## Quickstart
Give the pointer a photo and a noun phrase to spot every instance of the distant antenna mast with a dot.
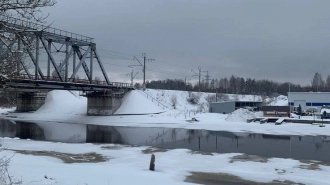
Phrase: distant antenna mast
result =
(199, 77)
(133, 76)
(144, 67)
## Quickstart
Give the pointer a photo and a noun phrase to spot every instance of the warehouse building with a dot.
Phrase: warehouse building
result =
(230, 106)
(308, 99)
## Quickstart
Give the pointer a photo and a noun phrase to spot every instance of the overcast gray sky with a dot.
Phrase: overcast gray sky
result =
(281, 40)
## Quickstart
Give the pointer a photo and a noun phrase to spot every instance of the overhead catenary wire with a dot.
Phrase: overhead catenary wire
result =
(109, 51)
(171, 73)
(171, 68)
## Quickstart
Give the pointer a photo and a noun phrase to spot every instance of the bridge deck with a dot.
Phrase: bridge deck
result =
(73, 84)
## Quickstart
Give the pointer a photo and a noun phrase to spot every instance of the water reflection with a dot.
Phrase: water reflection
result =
(297, 147)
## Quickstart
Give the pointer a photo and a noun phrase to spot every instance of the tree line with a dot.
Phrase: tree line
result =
(239, 85)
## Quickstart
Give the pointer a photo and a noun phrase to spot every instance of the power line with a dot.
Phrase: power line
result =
(171, 73)
(184, 67)
(120, 58)
(116, 65)
(109, 51)
(171, 68)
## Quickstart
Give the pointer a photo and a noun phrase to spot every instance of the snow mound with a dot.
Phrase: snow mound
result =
(279, 101)
(63, 102)
(134, 102)
(240, 115)
(6, 110)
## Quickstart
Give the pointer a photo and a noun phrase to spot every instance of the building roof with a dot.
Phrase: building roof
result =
(308, 92)
(239, 102)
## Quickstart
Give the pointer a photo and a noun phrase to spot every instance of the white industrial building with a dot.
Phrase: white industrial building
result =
(309, 99)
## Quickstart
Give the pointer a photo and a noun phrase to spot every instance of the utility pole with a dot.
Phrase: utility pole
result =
(185, 83)
(199, 77)
(133, 76)
(216, 94)
(207, 78)
(144, 68)
(145, 59)
(289, 97)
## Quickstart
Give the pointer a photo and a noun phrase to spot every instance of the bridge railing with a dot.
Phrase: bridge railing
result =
(75, 80)
(23, 24)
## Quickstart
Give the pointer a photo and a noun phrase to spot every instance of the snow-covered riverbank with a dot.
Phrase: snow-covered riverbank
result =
(43, 163)
(68, 107)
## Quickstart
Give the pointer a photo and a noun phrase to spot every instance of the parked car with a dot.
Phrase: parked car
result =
(310, 111)
(295, 110)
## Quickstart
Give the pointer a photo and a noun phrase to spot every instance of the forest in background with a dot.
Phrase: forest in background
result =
(239, 85)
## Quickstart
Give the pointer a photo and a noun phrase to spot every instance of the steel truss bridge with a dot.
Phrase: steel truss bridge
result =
(32, 38)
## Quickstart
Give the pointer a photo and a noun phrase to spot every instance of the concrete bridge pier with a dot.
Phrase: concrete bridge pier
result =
(103, 103)
(30, 101)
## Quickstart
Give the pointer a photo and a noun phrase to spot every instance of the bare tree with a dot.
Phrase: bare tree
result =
(5, 177)
(222, 97)
(210, 98)
(193, 98)
(11, 55)
(317, 82)
(174, 101)
(26, 10)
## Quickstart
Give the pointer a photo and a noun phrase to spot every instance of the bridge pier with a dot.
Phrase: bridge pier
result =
(30, 101)
(103, 103)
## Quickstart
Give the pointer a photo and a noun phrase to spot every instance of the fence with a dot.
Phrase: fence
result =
(152, 99)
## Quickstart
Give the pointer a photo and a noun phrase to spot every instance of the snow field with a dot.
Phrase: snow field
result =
(128, 165)
(182, 105)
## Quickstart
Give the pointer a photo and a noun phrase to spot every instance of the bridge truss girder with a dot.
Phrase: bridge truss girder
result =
(34, 40)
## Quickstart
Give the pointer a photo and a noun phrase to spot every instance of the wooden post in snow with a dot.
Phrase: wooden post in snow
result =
(152, 163)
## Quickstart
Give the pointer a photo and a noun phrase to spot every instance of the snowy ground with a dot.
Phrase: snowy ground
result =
(83, 164)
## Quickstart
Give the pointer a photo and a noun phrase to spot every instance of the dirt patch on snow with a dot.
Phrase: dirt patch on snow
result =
(68, 158)
(227, 179)
(312, 165)
(201, 153)
(248, 158)
(112, 147)
(153, 150)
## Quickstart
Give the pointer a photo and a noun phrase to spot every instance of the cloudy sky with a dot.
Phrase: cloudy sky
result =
(281, 40)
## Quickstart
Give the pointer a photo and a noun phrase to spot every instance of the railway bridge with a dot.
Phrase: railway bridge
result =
(38, 48)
